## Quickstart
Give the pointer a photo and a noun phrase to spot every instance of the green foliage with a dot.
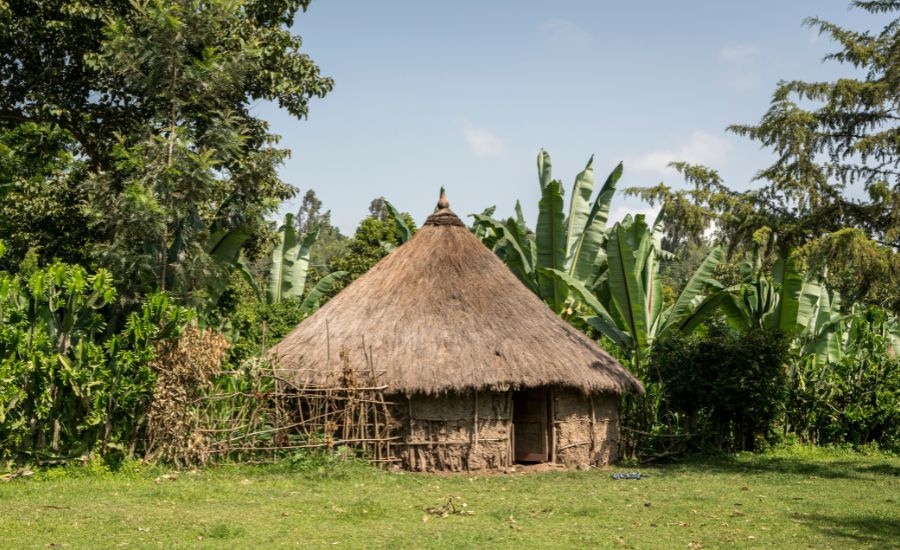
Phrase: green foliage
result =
(290, 262)
(374, 239)
(152, 100)
(255, 326)
(571, 244)
(853, 398)
(39, 203)
(67, 387)
(329, 245)
(404, 229)
(605, 279)
(731, 388)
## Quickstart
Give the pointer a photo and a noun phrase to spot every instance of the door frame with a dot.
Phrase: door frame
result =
(547, 426)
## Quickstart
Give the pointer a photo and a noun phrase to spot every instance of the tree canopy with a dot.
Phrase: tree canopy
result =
(834, 188)
(148, 107)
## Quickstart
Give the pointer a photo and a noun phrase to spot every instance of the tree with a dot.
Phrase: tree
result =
(826, 137)
(330, 244)
(378, 208)
(153, 99)
(40, 210)
(374, 239)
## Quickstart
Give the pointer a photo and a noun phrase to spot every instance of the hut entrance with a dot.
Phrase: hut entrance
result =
(530, 422)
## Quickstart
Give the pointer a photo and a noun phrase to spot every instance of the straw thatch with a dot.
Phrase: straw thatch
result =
(443, 314)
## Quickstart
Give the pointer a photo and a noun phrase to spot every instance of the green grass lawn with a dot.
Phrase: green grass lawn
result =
(799, 498)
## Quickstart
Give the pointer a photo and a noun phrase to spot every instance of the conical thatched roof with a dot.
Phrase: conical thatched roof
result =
(442, 313)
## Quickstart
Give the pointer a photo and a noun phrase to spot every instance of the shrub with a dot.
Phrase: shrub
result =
(67, 388)
(855, 400)
(731, 388)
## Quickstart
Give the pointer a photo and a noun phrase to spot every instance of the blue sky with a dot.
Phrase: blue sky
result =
(464, 94)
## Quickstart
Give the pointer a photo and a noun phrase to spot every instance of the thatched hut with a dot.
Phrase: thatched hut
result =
(482, 373)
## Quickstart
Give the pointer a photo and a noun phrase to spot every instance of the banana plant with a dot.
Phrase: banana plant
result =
(787, 300)
(607, 278)
(290, 262)
(290, 267)
(567, 243)
(226, 247)
(797, 303)
(404, 230)
(624, 302)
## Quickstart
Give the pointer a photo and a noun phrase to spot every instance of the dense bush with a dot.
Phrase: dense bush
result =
(731, 388)
(855, 400)
(67, 386)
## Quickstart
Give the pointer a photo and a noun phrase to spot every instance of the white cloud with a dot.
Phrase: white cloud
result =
(482, 142)
(700, 148)
(562, 32)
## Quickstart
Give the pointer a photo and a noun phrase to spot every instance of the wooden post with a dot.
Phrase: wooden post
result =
(552, 426)
(510, 430)
(409, 423)
(373, 407)
(473, 446)
(593, 430)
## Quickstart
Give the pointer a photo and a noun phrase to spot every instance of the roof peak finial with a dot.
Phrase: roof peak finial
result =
(443, 202)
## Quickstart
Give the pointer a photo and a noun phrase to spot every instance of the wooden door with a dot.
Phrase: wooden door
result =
(530, 421)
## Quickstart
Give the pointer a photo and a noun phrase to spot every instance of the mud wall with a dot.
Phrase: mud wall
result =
(455, 432)
(585, 428)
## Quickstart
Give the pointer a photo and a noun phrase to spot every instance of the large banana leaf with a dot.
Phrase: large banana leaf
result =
(579, 207)
(520, 218)
(551, 243)
(827, 342)
(732, 307)
(641, 237)
(697, 284)
(589, 247)
(225, 246)
(808, 300)
(785, 273)
(484, 233)
(290, 263)
(545, 172)
(601, 319)
(285, 248)
(298, 272)
(399, 222)
(707, 308)
(650, 276)
(245, 271)
(798, 297)
(625, 286)
(512, 239)
(317, 293)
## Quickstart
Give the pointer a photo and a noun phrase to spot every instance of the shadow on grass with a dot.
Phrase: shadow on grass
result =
(860, 530)
(884, 469)
(761, 464)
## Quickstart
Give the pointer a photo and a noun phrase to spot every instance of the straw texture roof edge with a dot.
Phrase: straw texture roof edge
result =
(442, 314)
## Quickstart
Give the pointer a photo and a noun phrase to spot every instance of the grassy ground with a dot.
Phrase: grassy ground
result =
(788, 499)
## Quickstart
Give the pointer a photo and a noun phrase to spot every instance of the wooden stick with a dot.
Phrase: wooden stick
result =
(593, 450)
(474, 447)
(552, 427)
